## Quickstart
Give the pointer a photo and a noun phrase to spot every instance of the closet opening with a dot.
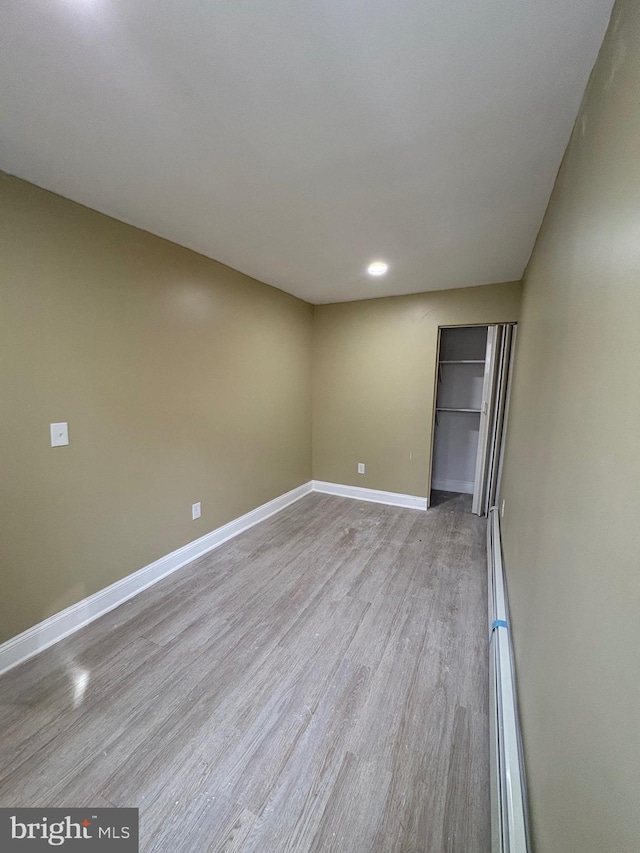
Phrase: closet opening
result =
(472, 395)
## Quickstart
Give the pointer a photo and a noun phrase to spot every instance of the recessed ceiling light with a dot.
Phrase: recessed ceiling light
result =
(377, 268)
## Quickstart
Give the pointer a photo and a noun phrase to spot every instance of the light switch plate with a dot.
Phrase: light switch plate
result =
(59, 435)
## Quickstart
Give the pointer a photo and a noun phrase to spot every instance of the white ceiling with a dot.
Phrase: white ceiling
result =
(298, 140)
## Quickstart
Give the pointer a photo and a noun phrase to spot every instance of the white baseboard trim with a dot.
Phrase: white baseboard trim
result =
(34, 640)
(453, 486)
(373, 495)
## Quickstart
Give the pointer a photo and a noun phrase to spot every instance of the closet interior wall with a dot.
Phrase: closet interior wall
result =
(461, 369)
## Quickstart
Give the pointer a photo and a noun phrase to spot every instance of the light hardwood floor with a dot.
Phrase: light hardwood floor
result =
(316, 684)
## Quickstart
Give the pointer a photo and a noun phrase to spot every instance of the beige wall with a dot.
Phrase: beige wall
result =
(374, 368)
(181, 380)
(572, 480)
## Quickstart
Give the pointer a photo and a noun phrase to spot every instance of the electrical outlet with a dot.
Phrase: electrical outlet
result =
(360, 467)
(502, 510)
(196, 511)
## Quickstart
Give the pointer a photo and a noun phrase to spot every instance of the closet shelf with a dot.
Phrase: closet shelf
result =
(450, 409)
(461, 361)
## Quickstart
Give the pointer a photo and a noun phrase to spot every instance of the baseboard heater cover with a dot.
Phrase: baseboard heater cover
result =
(509, 812)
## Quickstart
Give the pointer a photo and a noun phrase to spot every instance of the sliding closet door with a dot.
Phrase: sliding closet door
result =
(493, 418)
(486, 419)
(503, 388)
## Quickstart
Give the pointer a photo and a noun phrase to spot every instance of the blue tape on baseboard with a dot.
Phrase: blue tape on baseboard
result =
(499, 623)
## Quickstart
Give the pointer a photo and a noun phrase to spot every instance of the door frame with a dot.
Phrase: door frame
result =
(436, 377)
